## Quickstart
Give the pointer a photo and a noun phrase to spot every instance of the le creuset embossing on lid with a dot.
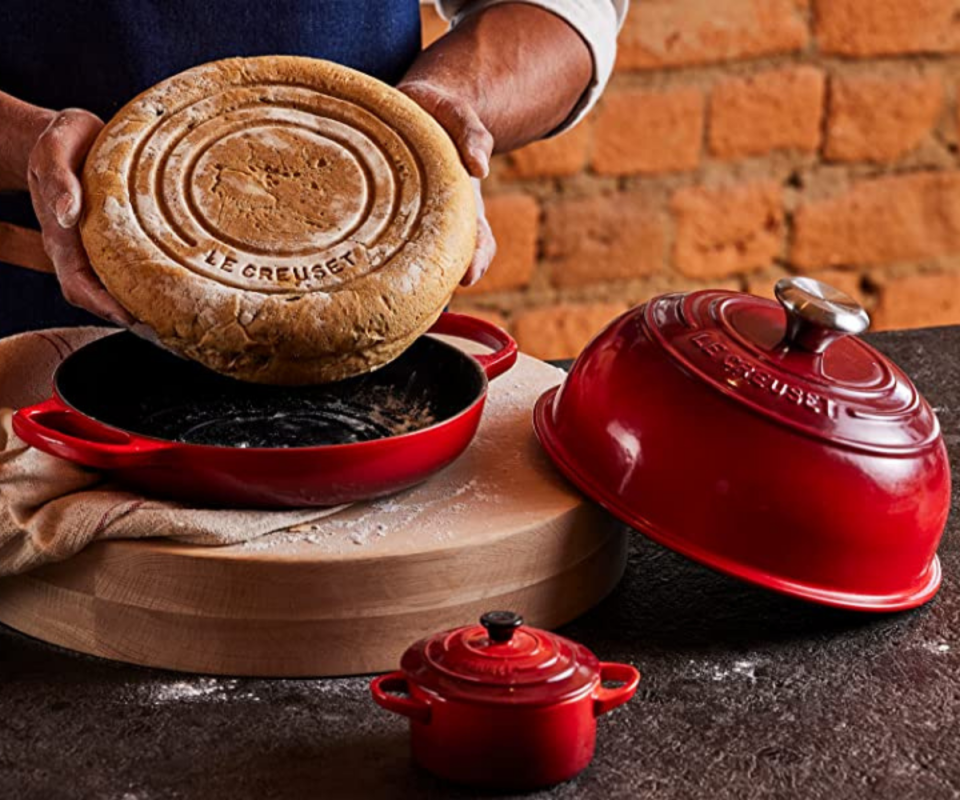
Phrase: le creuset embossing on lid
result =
(819, 379)
(503, 704)
(765, 440)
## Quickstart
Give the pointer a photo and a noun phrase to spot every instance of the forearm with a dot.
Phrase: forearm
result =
(20, 126)
(522, 68)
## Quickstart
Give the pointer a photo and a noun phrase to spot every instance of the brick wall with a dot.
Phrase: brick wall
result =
(739, 141)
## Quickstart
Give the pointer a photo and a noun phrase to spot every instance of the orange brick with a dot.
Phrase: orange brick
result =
(880, 27)
(919, 300)
(515, 219)
(671, 33)
(562, 331)
(844, 280)
(729, 230)
(872, 118)
(648, 132)
(881, 221)
(434, 26)
(776, 110)
(603, 238)
(559, 156)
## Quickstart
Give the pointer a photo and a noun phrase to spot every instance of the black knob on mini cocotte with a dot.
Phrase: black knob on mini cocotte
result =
(500, 625)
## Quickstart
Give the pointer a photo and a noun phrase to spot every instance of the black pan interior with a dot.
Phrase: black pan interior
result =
(128, 383)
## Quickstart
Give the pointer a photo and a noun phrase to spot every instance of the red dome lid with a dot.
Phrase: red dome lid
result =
(765, 440)
(501, 661)
(800, 369)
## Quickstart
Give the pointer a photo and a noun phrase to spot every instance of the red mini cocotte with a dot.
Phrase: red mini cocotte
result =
(501, 704)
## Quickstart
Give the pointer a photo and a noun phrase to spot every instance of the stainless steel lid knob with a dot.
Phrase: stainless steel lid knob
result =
(818, 314)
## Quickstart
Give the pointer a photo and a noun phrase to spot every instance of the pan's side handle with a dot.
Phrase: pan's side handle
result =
(56, 429)
(504, 353)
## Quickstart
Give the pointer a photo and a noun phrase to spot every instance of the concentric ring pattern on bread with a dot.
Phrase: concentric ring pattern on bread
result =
(279, 219)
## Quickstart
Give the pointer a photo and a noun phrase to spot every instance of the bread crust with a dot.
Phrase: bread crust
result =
(279, 219)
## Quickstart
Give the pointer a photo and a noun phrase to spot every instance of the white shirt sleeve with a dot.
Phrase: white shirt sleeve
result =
(597, 21)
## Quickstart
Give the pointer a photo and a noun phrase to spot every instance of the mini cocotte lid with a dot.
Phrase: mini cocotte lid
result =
(501, 661)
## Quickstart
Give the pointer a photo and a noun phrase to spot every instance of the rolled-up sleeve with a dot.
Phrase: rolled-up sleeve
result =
(597, 21)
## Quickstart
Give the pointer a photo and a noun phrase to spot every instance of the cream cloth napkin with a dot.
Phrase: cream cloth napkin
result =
(51, 509)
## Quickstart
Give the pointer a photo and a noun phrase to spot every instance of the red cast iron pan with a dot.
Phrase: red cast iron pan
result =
(172, 428)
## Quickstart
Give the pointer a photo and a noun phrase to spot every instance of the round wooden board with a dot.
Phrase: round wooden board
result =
(347, 595)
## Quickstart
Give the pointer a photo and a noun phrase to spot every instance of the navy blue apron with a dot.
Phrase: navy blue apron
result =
(98, 54)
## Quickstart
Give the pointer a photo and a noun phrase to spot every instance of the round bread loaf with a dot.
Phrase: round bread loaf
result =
(279, 219)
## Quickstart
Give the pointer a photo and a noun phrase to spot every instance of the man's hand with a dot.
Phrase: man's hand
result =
(475, 144)
(503, 77)
(52, 177)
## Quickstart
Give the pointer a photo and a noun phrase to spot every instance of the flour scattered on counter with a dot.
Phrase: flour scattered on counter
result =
(202, 690)
(707, 671)
(180, 691)
(938, 648)
(747, 669)
(716, 672)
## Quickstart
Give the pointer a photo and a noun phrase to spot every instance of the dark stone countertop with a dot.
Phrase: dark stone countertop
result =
(745, 694)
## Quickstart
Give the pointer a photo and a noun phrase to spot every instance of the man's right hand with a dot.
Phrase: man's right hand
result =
(52, 176)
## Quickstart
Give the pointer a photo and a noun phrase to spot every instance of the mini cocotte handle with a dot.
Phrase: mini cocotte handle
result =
(463, 326)
(55, 428)
(608, 699)
(384, 690)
